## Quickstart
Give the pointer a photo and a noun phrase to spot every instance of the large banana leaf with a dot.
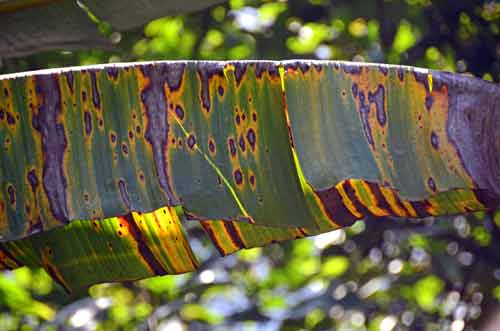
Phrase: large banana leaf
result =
(257, 152)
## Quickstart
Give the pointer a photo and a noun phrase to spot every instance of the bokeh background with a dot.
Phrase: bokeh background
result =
(378, 275)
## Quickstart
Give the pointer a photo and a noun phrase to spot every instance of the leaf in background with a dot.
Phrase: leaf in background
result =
(32, 26)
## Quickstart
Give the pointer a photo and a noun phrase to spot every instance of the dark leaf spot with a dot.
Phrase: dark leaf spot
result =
(232, 147)
(12, 194)
(352, 69)
(54, 144)
(179, 112)
(10, 119)
(378, 98)
(88, 123)
(112, 72)
(401, 74)
(191, 141)
(239, 71)
(434, 140)
(124, 148)
(431, 184)
(238, 177)
(206, 71)
(241, 142)
(251, 137)
(96, 98)
(211, 146)
(33, 180)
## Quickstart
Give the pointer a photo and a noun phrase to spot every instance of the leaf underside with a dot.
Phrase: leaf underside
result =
(257, 152)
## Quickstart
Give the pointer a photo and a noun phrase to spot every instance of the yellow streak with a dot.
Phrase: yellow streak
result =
(368, 199)
(347, 202)
(228, 67)
(391, 200)
(281, 70)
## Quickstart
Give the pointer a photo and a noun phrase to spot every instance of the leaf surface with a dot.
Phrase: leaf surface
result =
(258, 152)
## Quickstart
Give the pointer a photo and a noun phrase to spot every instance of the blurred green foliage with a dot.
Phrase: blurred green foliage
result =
(382, 275)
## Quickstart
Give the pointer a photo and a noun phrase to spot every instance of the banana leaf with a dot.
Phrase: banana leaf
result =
(31, 26)
(97, 161)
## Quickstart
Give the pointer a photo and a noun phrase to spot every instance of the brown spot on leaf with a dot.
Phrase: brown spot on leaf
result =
(252, 138)
(191, 141)
(434, 140)
(431, 184)
(69, 80)
(10, 119)
(378, 98)
(88, 123)
(242, 144)
(155, 102)
(179, 112)
(239, 71)
(352, 69)
(401, 74)
(33, 180)
(11, 191)
(124, 149)
(112, 72)
(211, 146)
(238, 177)
(232, 147)
(252, 180)
(207, 70)
(364, 113)
(96, 98)
(54, 144)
